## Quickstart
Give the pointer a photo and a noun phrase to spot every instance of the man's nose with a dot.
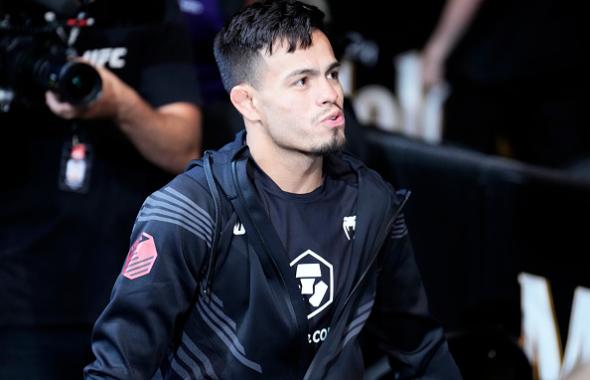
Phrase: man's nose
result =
(330, 91)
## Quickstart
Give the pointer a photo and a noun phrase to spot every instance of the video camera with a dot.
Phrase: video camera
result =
(36, 55)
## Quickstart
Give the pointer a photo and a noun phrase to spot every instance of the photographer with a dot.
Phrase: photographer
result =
(75, 175)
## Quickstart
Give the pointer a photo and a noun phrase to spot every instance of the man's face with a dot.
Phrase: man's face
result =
(300, 98)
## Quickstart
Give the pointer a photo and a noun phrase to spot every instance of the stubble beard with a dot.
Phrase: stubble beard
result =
(336, 144)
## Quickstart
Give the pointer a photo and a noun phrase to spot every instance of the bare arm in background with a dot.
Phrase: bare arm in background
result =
(454, 20)
(168, 136)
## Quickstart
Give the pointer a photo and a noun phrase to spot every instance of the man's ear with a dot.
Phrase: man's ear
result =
(242, 98)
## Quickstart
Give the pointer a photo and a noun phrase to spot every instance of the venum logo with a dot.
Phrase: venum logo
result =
(316, 280)
(349, 226)
(239, 229)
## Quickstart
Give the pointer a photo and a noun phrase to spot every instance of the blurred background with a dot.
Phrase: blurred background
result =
(480, 108)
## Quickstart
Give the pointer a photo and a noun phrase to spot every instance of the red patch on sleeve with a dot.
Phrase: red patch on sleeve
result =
(141, 257)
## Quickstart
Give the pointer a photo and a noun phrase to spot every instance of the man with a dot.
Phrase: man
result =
(265, 259)
(75, 177)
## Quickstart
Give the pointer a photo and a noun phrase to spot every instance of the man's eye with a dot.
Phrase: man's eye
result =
(333, 74)
(301, 82)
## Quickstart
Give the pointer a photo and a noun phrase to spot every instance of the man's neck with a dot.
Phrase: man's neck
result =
(293, 172)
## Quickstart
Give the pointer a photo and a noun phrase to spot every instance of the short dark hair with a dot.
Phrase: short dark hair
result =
(237, 45)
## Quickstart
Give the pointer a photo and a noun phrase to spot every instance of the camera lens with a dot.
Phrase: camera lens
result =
(78, 83)
(33, 67)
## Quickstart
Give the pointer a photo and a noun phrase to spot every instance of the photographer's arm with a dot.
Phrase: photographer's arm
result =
(169, 136)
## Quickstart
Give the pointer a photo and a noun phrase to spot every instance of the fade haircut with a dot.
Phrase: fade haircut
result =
(238, 44)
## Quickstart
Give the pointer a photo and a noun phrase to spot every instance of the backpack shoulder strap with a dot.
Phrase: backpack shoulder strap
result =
(209, 271)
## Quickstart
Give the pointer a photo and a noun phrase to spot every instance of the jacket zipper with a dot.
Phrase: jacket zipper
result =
(374, 257)
(382, 238)
(284, 291)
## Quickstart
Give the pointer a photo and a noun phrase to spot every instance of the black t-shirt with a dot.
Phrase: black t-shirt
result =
(60, 251)
(316, 230)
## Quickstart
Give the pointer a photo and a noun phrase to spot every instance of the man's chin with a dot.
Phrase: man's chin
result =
(336, 144)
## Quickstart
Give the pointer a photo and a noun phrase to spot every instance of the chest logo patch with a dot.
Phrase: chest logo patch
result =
(349, 226)
(316, 280)
(239, 229)
(141, 257)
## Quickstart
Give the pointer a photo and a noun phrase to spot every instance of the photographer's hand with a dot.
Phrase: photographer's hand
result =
(104, 106)
(169, 136)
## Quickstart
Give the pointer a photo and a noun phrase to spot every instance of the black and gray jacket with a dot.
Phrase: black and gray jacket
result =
(197, 299)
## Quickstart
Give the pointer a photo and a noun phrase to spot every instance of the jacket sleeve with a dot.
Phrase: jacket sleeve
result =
(412, 340)
(156, 286)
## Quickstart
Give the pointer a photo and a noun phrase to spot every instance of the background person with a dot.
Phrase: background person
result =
(76, 176)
